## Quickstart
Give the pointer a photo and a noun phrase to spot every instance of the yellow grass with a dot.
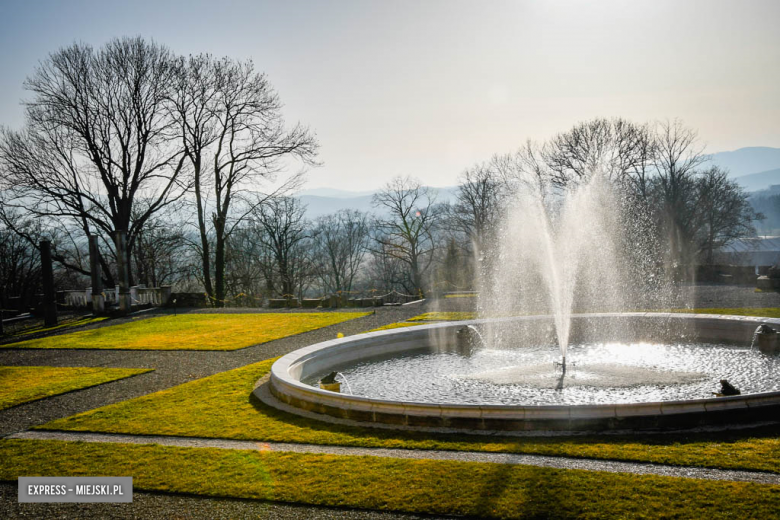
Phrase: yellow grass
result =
(472, 489)
(224, 409)
(66, 324)
(399, 325)
(444, 316)
(22, 384)
(194, 331)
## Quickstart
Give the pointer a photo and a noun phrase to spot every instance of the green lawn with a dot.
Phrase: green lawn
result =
(220, 406)
(413, 486)
(428, 318)
(400, 325)
(22, 384)
(762, 312)
(194, 331)
(63, 324)
(444, 316)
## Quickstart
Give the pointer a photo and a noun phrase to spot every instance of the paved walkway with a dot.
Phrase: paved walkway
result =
(462, 456)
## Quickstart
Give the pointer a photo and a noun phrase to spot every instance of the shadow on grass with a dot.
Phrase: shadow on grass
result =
(687, 448)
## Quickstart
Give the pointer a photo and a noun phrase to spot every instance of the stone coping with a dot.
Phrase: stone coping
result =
(287, 372)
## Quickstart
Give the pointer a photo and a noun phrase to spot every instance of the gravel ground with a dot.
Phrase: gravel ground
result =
(396, 453)
(171, 367)
(168, 506)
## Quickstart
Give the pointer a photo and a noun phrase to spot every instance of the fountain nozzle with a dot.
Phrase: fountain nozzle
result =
(562, 364)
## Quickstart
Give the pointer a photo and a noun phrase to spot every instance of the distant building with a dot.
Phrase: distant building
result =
(758, 252)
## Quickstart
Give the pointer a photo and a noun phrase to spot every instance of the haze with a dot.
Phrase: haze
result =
(429, 88)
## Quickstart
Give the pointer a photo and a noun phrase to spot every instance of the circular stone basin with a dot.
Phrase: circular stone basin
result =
(625, 371)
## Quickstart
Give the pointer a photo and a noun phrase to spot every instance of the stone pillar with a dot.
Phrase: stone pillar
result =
(123, 273)
(49, 301)
(165, 295)
(98, 300)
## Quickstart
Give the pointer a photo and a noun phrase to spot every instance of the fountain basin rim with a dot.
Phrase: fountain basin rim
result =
(286, 386)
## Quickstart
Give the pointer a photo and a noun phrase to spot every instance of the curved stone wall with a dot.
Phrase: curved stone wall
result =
(288, 371)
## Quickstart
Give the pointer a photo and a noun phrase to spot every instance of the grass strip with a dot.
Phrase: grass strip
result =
(194, 331)
(412, 486)
(444, 316)
(77, 322)
(398, 325)
(220, 406)
(762, 312)
(23, 384)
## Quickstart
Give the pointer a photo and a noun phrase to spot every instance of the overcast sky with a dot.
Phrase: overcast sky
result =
(427, 88)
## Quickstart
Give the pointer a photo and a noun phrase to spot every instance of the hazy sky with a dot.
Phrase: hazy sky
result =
(427, 88)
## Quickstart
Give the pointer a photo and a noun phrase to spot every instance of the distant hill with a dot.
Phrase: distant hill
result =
(743, 165)
(334, 193)
(746, 161)
(317, 206)
(759, 181)
(323, 201)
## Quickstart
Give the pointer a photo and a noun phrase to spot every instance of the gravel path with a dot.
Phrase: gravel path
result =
(165, 506)
(463, 456)
(171, 367)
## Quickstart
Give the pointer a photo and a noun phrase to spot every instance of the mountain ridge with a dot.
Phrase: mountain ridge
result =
(740, 163)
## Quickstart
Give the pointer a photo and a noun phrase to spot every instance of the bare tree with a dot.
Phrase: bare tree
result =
(97, 140)
(340, 241)
(618, 148)
(283, 229)
(158, 251)
(385, 272)
(477, 206)
(20, 264)
(678, 157)
(407, 233)
(723, 213)
(245, 265)
(233, 134)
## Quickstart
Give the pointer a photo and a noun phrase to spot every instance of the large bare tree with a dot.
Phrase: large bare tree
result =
(340, 242)
(98, 146)
(723, 213)
(678, 157)
(477, 206)
(619, 149)
(233, 134)
(284, 228)
(407, 230)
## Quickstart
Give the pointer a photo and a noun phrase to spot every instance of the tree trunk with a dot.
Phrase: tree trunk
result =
(219, 268)
(122, 272)
(205, 253)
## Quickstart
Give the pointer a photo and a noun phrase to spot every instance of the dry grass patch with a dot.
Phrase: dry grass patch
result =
(23, 384)
(194, 331)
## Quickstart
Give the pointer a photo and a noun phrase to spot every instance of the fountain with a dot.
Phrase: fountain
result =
(549, 292)
(560, 253)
